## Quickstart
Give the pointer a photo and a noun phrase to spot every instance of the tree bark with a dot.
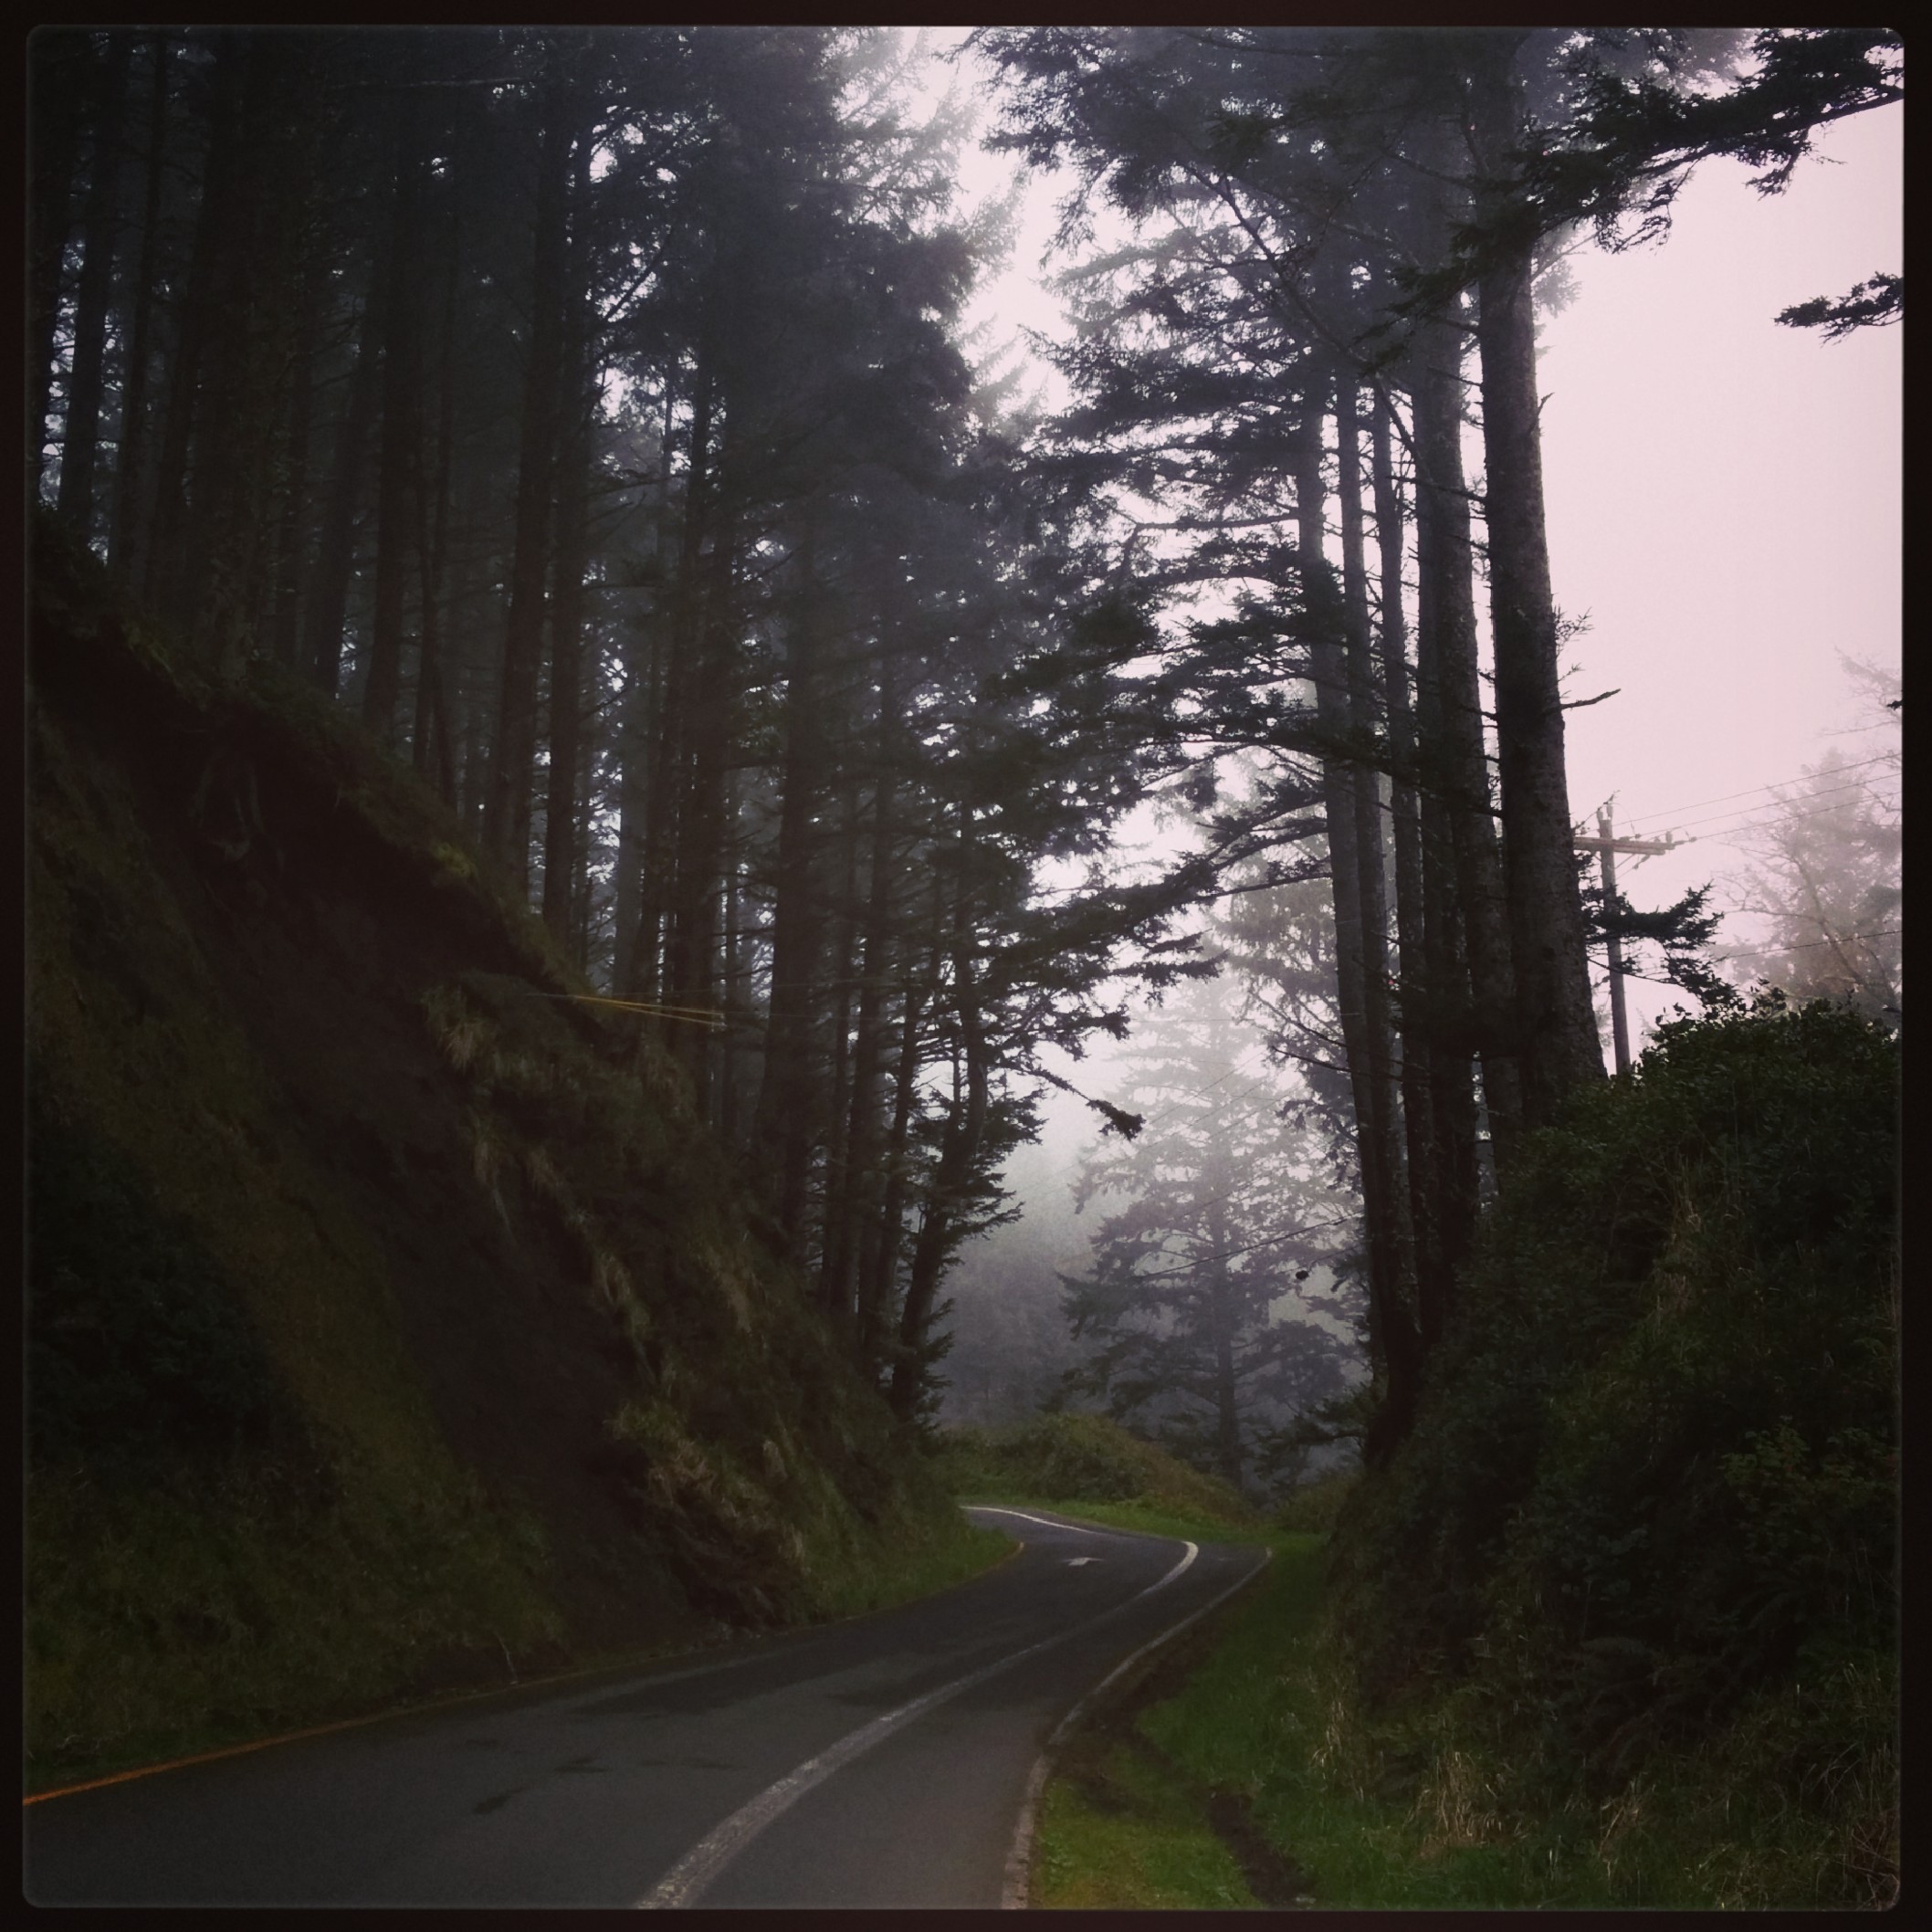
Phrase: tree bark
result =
(787, 1116)
(697, 864)
(167, 581)
(960, 1144)
(1561, 1048)
(1455, 766)
(253, 231)
(682, 642)
(1378, 1013)
(1391, 1325)
(432, 747)
(879, 1255)
(834, 1292)
(99, 228)
(60, 62)
(399, 462)
(327, 605)
(292, 526)
(508, 805)
(1221, 1323)
(130, 461)
(641, 704)
(845, 1236)
(1433, 1287)
(562, 820)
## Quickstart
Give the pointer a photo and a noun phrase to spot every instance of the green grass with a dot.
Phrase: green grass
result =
(1260, 1719)
(1409, 1810)
(955, 1553)
(1129, 1835)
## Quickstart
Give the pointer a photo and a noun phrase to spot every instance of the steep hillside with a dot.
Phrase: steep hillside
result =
(393, 1322)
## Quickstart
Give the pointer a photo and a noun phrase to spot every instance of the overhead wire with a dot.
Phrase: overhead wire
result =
(1671, 811)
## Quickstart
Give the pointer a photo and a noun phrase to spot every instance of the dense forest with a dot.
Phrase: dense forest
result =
(587, 419)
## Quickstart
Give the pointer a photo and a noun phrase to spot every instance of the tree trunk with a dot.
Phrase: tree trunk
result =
(1561, 1047)
(880, 1257)
(399, 464)
(1392, 1328)
(563, 819)
(835, 1284)
(292, 531)
(1221, 1324)
(167, 582)
(508, 804)
(1377, 1007)
(1455, 769)
(100, 229)
(60, 62)
(682, 642)
(328, 599)
(1419, 1129)
(731, 998)
(252, 230)
(787, 1116)
(845, 1260)
(130, 461)
(699, 861)
(959, 1145)
(432, 748)
(640, 746)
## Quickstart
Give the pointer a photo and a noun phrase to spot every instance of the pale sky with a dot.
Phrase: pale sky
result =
(1723, 493)
(1724, 499)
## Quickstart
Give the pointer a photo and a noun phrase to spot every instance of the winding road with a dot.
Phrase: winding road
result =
(894, 1760)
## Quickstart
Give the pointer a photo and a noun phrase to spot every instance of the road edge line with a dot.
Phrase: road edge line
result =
(684, 1885)
(1019, 1860)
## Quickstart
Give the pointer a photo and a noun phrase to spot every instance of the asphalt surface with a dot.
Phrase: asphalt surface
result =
(886, 1761)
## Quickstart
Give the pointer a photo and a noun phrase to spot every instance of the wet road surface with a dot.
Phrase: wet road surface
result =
(884, 1761)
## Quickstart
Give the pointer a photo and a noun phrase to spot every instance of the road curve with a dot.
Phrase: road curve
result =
(884, 1761)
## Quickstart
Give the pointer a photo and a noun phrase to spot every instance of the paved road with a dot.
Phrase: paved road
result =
(884, 1761)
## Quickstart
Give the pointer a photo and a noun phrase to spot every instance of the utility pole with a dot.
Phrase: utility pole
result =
(1605, 846)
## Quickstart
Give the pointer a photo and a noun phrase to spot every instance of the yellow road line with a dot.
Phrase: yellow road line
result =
(322, 1731)
(350, 1724)
(228, 1750)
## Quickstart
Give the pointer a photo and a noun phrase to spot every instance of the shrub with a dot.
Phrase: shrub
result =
(1656, 1470)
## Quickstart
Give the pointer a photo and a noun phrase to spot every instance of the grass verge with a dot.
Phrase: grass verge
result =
(1238, 1773)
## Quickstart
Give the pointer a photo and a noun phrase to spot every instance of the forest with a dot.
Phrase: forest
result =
(569, 447)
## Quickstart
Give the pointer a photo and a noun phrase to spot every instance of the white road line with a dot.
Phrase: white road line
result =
(1085, 1529)
(687, 1880)
(1013, 1896)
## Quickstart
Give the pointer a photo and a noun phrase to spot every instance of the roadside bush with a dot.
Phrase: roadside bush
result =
(1654, 1477)
(1313, 1508)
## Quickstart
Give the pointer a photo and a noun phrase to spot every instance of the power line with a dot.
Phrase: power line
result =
(1765, 953)
(1772, 821)
(1644, 818)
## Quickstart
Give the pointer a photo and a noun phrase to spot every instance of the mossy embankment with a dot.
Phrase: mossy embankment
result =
(394, 1324)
